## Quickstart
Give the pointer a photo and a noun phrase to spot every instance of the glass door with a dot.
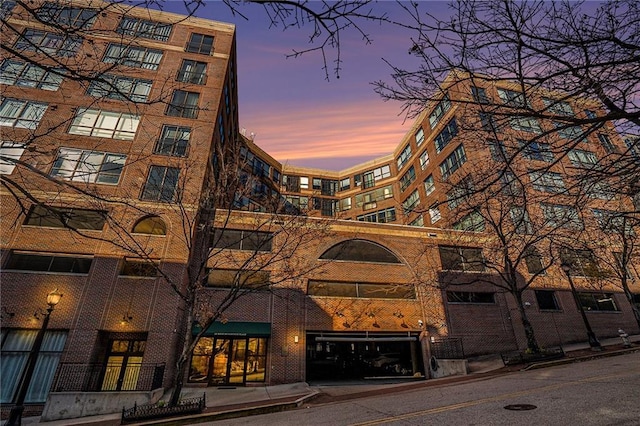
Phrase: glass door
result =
(124, 359)
(220, 362)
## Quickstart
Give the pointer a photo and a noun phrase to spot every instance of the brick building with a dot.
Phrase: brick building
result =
(120, 170)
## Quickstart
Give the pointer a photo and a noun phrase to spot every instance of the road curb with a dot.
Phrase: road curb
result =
(563, 361)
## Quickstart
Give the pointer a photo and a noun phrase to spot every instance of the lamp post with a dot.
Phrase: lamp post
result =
(593, 341)
(15, 416)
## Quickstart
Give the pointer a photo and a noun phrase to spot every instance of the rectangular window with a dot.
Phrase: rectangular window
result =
(21, 113)
(345, 184)
(429, 185)
(497, 150)
(317, 183)
(513, 98)
(104, 124)
(533, 260)
(15, 349)
(538, 151)
(136, 27)
(460, 192)
(411, 202)
(368, 199)
(200, 43)
(120, 87)
(488, 122)
(470, 297)
(193, 72)
(597, 189)
(479, 95)
(597, 302)
(547, 181)
(54, 217)
(239, 239)
(345, 204)
(49, 263)
(558, 107)
(304, 182)
(48, 43)
(173, 141)
(133, 56)
(521, 221)
(606, 143)
(453, 162)
(424, 160)
(361, 290)
(291, 183)
(72, 17)
(525, 124)
(138, 268)
(404, 157)
(434, 213)
(418, 221)
(382, 216)
(29, 75)
(184, 104)
(472, 222)
(466, 259)
(614, 222)
(10, 153)
(573, 133)
(408, 178)
(446, 135)
(419, 136)
(5, 10)
(557, 215)
(241, 279)
(547, 300)
(582, 263)
(583, 159)
(439, 111)
(88, 166)
(162, 184)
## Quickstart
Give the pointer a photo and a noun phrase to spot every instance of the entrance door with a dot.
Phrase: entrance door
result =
(229, 361)
(124, 359)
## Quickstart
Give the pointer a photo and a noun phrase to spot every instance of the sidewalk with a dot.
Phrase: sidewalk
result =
(230, 401)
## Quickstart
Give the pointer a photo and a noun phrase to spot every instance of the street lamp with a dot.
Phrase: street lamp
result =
(593, 341)
(15, 416)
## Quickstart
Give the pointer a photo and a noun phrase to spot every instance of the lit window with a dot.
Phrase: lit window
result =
(200, 43)
(48, 43)
(133, 56)
(173, 141)
(183, 104)
(419, 136)
(120, 87)
(146, 29)
(88, 166)
(162, 184)
(21, 113)
(152, 225)
(304, 182)
(104, 124)
(28, 75)
(10, 153)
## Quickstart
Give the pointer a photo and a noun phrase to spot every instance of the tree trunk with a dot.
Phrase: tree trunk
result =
(532, 343)
(629, 295)
(181, 362)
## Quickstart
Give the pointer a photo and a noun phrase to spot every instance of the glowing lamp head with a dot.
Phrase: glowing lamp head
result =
(53, 298)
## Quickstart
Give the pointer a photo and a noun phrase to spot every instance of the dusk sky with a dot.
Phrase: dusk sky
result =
(300, 118)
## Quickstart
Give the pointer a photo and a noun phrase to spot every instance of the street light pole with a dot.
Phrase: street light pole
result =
(593, 340)
(15, 416)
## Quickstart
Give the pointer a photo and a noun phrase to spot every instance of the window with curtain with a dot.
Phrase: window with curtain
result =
(133, 56)
(16, 345)
(143, 28)
(193, 72)
(121, 88)
(88, 166)
(104, 124)
(184, 104)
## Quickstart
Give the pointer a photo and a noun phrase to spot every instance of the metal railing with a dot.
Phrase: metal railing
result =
(78, 377)
(156, 411)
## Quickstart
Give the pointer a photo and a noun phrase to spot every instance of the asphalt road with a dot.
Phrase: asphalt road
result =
(598, 392)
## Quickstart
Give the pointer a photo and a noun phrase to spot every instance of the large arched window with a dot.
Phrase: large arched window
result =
(150, 225)
(360, 251)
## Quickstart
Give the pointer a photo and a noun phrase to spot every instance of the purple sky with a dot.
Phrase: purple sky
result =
(297, 116)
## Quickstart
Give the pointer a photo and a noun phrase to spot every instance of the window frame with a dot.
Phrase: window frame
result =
(200, 47)
(84, 125)
(155, 191)
(29, 113)
(19, 76)
(176, 146)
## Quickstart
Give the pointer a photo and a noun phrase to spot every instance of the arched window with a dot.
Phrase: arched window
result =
(360, 251)
(150, 225)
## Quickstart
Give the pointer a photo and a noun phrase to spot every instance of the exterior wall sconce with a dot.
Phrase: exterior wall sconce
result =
(126, 318)
(295, 339)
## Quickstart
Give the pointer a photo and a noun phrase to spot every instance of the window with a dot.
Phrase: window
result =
(238, 239)
(173, 141)
(20, 113)
(382, 216)
(10, 153)
(138, 268)
(557, 215)
(460, 192)
(151, 225)
(533, 150)
(434, 213)
(429, 185)
(584, 159)
(345, 184)
(133, 56)
(241, 279)
(471, 222)
(513, 98)
(404, 156)
(5, 10)
(28, 75)
(611, 221)
(162, 184)
(16, 346)
(357, 250)
(479, 95)
(606, 143)
(142, 28)
(183, 104)
(453, 162)
(200, 43)
(48, 43)
(547, 181)
(623, 262)
(411, 202)
(521, 221)
(49, 263)
(497, 150)
(104, 124)
(511, 185)
(558, 107)
(326, 206)
(470, 297)
(461, 258)
(533, 260)
(317, 183)
(418, 221)
(54, 217)
(597, 189)
(345, 204)
(488, 122)
(193, 72)
(582, 263)
(408, 178)
(368, 199)
(565, 131)
(424, 159)
(597, 301)
(438, 112)
(120, 87)
(547, 300)
(446, 135)
(419, 136)
(590, 113)
(304, 182)
(633, 147)
(361, 290)
(525, 124)
(88, 166)
(73, 17)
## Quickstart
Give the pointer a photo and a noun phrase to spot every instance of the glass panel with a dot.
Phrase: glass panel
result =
(112, 373)
(131, 373)
(200, 361)
(238, 358)
(220, 358)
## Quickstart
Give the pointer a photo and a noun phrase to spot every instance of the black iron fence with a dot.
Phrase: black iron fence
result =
(447, 347)
(78, 377)
(158, 411)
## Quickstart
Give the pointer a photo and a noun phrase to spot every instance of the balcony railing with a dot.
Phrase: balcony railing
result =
(78, 377)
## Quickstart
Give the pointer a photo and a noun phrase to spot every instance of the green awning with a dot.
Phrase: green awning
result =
(236, 328)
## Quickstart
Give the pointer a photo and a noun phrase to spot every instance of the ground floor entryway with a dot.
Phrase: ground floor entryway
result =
(349, 356)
